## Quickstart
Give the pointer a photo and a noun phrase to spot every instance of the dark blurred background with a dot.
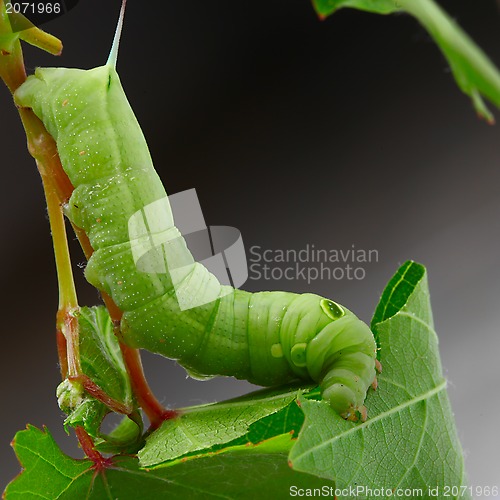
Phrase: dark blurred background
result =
(338, 133)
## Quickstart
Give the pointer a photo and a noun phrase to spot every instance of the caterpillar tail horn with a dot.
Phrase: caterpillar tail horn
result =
(113, 55)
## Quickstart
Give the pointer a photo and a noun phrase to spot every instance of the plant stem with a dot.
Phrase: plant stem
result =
(140, 387)
(67, 323)
(97, 393)
(145, 397)
(43, 149)
(88, 448)
(473, 70)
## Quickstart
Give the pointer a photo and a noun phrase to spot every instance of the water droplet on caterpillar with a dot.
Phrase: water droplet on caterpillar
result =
(332, 309)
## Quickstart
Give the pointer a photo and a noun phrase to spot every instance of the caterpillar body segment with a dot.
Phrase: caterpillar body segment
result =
(268, 338)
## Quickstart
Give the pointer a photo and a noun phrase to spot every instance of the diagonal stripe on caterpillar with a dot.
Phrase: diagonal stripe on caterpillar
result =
(268, 338)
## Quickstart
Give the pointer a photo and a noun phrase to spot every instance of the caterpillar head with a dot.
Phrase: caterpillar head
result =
(327, 343)
(341, 358)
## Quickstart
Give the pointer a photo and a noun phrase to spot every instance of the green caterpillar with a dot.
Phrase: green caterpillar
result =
(183, 313)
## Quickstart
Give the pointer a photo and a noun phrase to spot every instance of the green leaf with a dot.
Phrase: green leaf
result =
(474, 73)
(124, 438)
(288, 420)
(285, 422)
(327, 7)
(87, 412)
(260, 472)
(398, 291)
(101, 356)
(15, 26)
(281, 444)
(48, 473)
(102, 362)
(409, 439)
(208, 427)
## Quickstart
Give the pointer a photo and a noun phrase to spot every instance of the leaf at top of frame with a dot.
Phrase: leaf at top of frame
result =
(474, 73)
(328, 7)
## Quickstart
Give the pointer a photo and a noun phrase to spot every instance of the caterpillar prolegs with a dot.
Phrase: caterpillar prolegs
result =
(183, 313)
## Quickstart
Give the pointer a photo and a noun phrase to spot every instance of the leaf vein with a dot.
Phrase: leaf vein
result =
(395, 409)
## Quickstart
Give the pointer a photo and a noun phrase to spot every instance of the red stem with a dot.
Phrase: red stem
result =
(96, 392)
(145, 397)
(88, 448)
(154, 410)
(62, 353)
